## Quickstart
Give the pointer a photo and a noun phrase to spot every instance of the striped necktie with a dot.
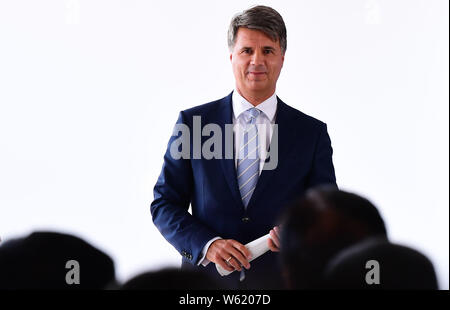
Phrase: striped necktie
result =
(248, 161)
(248, 157)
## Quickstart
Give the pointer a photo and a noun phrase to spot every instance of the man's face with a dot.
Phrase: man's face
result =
(256, 61)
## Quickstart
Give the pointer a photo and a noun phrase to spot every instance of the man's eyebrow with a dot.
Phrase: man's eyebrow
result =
(264, 47)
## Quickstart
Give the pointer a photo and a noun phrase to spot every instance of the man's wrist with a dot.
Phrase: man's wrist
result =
(203, 260)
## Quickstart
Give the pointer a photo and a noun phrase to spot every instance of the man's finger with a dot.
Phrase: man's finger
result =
(274, 238)
(239, 257)
(272, 246)
(242, 249)
(223, 263)
(233, 262)
(277, 231)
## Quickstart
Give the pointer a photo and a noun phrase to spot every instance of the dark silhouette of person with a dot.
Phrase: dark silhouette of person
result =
(398, 267)
(39, 261)
(319, 225)
(171, 279)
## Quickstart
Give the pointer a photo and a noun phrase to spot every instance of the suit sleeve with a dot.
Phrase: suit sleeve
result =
(322, 170)
(172, 196)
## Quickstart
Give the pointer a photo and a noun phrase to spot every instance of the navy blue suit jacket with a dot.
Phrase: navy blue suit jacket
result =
(210, 187)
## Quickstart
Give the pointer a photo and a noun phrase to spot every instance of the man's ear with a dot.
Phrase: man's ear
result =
(231, 56)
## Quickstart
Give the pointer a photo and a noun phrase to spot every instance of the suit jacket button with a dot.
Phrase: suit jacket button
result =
(245, 219)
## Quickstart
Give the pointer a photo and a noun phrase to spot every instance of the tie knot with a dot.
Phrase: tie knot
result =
(253, 114)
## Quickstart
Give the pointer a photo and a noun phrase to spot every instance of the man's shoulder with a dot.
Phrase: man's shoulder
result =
(206, 108)
(301, 118)
(215, 107)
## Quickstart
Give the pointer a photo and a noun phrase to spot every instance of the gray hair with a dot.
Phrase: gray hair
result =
(261, 18)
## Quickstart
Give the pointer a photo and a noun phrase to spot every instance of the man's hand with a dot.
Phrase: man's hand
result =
(274, 240)
(229, 254)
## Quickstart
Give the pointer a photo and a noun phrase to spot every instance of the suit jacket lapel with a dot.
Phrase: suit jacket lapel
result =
(228, 165)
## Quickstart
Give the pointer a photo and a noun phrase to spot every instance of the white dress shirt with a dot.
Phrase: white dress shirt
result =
(264, 123)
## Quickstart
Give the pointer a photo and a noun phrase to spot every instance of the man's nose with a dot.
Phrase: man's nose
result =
(257, 58)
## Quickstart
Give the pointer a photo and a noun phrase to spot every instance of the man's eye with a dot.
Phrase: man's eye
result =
(247, 51)
(267, 51)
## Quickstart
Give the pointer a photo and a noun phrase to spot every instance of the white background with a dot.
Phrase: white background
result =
(90, 91)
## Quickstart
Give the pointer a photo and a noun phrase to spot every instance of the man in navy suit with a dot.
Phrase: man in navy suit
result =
(277, 152)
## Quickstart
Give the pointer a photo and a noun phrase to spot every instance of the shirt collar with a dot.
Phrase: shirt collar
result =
(240, 104)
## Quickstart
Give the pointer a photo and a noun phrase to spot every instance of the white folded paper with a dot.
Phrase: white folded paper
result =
(257, 248)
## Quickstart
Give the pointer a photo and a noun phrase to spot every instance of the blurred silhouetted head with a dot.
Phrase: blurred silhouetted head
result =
(319, 225)
(40, 261)
(171, 279)
(378, 264)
